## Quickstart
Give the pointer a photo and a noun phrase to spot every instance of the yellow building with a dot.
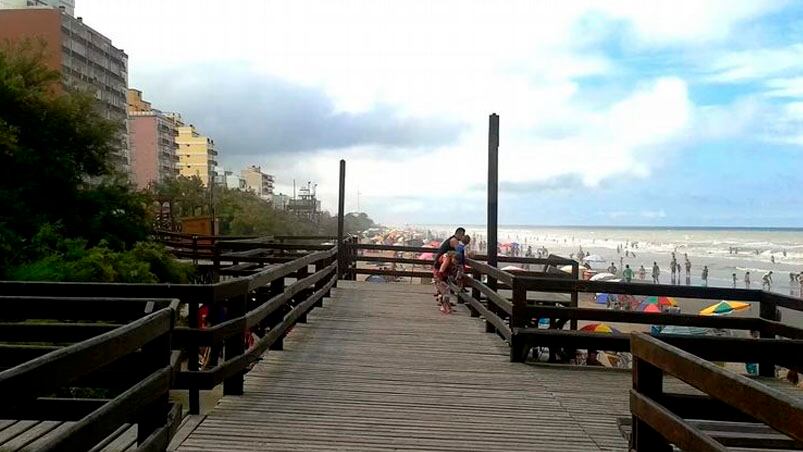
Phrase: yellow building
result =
(196, 154)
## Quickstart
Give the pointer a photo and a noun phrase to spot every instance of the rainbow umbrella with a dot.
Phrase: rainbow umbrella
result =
(660, 301)
(725, 307)
(647, 307)
(599, 328)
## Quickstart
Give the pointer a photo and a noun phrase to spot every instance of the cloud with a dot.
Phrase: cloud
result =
(249, 113)
(756, 64)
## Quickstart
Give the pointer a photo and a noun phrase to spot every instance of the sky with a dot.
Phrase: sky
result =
(664, 113)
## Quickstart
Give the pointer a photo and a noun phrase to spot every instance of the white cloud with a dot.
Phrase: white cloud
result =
(756, 64)
(459, 60)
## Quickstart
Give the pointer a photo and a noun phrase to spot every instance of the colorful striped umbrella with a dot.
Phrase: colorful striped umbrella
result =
(660, 301)
(647, 307)
(599, 328)
(725, 307)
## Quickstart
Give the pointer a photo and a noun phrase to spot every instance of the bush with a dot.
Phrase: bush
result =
(54, 258)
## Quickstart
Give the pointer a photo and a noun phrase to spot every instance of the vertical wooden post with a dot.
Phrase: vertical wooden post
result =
(648, 381)
(319, 266)
(235, 345)
(154, 415)
(215, 263)
(575, 278)
(302, 296)
(518, 319)
(767, 311)
(194, 249)
(193, 355)
(276, 288)
(341, 212)
(493, 192)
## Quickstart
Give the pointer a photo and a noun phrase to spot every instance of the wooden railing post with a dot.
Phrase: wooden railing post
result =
(193, 356)
(194, 249)
(575, 277)
(319, 266)
(156, 355)
(648, 381)
(767, 311)
(518, 319)
(341, 212)
(235, 345)
(215, 263)
(302, 295)
(475, 293)
(276, 288)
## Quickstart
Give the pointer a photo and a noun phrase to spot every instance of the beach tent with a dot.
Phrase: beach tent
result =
(605, 298)
(375, 279)
(594, 258)
(512, 268)
(604, 276)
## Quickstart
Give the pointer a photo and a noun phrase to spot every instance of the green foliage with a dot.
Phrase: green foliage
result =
(60, 259)
(65, 214)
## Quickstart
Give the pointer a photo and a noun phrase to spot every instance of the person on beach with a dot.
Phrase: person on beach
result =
(734, 280)
(673, 268)
(642, 273)
(688, 267)
(450, 244)
(704, 276)
(678, 268)
(612, 269)
(656, 273)
(628, 273)
(766, 280)
(746, 280)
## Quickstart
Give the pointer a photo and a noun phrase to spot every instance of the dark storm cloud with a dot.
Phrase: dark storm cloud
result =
(248, 113)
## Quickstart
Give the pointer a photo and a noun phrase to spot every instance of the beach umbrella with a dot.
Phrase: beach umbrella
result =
(605, 298)
(648, 307)
(599, 328)
(725, 307)
(566, 268)
(685, 330)
(375, 279)
(660, 301)
(603, 276)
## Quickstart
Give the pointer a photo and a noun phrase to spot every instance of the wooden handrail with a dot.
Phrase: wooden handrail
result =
(768, 405)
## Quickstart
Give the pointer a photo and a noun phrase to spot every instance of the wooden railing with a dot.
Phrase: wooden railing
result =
(122, 360)
(246, 315)
(753, 415)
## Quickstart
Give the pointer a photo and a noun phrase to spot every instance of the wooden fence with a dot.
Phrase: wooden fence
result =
(120, 362)
(734, 412)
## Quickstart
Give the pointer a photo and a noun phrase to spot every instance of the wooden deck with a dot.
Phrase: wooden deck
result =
(379, 368)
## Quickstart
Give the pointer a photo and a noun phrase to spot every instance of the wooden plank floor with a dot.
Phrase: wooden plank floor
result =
(379, 368)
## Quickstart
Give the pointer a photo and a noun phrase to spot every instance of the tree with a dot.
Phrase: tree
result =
(55, 169)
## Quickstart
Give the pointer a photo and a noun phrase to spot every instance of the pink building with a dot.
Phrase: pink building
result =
(153, 141)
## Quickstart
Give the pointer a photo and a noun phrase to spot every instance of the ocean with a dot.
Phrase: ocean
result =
(725, 251)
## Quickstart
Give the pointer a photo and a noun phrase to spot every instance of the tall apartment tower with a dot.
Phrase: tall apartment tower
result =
(152, 134)
(196, 154)
(86, 59)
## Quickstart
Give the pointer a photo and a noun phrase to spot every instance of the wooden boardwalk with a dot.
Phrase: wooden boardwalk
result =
(379, 368)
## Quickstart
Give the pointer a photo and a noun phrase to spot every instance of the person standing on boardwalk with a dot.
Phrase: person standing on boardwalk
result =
(705, 275)
(656, 273)
(450, 244)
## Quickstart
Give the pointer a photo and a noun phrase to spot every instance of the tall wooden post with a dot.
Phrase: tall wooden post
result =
(493, 192)
(341, 212)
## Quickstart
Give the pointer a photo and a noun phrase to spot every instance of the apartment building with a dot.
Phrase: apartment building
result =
(196, 154)
(152, 134)
(86, 59)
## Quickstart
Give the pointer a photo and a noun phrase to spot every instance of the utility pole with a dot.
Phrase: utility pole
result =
(493, 192)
